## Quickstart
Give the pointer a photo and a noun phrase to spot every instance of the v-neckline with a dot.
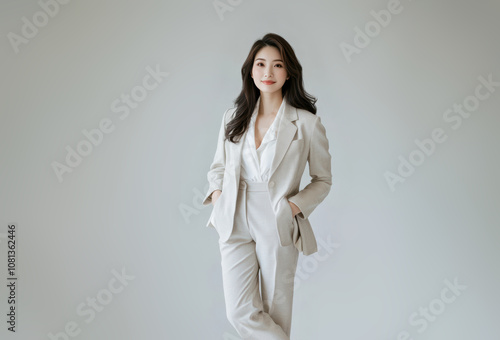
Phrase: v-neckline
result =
(274, 123)
(267, 131)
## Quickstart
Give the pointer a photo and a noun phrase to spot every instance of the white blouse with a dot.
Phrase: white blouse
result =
(256, 163)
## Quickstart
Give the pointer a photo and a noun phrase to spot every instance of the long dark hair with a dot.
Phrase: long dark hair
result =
(293, 89)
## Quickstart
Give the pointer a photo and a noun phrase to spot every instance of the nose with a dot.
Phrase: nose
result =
(268, 73)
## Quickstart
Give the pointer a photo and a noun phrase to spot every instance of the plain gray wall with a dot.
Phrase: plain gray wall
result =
(134, 201)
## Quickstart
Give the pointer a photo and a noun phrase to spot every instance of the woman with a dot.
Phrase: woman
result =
(258, 211)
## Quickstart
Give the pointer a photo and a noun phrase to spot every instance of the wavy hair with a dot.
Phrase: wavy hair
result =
(292, 90)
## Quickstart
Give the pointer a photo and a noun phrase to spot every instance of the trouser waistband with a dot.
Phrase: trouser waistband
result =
(253, 186)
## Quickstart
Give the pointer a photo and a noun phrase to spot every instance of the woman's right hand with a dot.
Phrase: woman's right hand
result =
(215, 196)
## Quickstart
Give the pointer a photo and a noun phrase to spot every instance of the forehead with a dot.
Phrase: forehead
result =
(268, 53)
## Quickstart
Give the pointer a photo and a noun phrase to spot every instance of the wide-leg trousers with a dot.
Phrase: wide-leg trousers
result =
(260, 310)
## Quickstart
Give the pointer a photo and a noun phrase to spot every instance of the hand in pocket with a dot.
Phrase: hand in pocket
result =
(295, 209)
(215, 196)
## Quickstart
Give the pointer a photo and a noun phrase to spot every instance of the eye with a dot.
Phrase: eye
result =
(259, 63)
(279, 65)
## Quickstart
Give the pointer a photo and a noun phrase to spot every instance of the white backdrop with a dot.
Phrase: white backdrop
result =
(109, 121)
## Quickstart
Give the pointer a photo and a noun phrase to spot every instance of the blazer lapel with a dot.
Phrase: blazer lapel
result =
(286, 131)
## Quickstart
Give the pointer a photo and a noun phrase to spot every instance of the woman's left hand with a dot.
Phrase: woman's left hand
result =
(295, 209)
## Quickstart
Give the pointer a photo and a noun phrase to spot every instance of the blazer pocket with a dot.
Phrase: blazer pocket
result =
(215, 209)
(291, 211)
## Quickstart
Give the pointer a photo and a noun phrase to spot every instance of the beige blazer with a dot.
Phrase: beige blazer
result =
(301, 139)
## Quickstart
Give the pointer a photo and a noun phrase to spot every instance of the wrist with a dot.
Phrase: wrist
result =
(295, 208)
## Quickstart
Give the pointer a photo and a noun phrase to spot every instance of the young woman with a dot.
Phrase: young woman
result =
(258, 211)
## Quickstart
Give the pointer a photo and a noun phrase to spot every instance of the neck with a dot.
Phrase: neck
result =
(270, 103)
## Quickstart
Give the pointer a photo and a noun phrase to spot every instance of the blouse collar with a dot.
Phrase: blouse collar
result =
(272, 132)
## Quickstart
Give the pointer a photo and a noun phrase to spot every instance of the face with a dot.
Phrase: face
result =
(268, 71)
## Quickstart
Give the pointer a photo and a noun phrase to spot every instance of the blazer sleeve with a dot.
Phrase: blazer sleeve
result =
(319, 160)
(215, 175)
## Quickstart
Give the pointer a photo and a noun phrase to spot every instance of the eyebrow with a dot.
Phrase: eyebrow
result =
(265, 59)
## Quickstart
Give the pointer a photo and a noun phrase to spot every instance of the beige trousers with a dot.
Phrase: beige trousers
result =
(260, 310)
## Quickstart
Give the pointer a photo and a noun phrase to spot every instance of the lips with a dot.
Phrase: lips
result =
(267, 82)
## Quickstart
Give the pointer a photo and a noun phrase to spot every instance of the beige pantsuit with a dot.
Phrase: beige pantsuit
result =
(253, 245)
(256, 226)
